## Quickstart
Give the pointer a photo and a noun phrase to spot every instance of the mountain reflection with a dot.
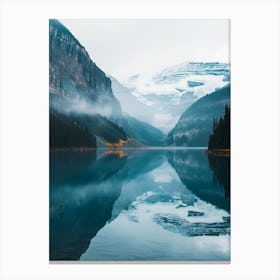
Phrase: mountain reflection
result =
(208, 177)
(90, 189)
(82, 193)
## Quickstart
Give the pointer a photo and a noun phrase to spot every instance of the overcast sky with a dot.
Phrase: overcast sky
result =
(125, 47)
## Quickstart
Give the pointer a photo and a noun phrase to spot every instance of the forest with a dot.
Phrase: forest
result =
(220, 139)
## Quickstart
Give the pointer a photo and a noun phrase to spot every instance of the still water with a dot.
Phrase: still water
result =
(139, 205)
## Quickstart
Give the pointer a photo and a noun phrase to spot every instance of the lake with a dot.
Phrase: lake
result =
(139, 205)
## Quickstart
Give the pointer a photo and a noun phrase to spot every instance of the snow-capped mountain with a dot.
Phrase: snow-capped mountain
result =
(170, 92)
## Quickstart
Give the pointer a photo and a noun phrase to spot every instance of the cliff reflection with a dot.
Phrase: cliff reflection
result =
(82, 193)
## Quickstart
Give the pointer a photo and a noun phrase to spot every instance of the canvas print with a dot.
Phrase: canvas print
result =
(139, 138)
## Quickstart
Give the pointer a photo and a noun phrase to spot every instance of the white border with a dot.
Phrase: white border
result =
(255, 138)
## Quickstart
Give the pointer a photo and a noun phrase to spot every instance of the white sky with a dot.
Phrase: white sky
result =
(125, 47)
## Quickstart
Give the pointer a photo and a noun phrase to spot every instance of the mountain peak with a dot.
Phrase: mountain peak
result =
(57, 28)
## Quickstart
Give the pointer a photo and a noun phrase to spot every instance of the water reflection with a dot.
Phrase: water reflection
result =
(82, 193)
(207, 176)
(139, 205)
(221, 172)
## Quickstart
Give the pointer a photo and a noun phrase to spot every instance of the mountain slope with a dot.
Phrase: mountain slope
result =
(144, 132)
(195, 124)
(129, 103)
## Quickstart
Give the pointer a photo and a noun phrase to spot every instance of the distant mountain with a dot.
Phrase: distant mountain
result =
(170, 92)
(144, 132)
(195, 124)
(193, 70)
(135, 113)
(129, 103)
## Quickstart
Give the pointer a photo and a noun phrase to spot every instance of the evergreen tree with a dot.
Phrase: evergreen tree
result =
(220, 139)
(68, 133)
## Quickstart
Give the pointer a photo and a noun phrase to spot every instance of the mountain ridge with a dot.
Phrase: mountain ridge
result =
(194, 125)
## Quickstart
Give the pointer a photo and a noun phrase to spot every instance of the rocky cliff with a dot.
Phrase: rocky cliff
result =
(73, 75)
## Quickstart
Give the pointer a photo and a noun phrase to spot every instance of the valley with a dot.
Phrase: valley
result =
(129, 178)
(172, 108)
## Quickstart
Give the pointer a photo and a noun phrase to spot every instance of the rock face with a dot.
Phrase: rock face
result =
(195, 124)
(72, 73)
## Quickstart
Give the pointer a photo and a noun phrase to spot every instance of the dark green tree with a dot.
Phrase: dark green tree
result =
(69, 133)
(220, 139)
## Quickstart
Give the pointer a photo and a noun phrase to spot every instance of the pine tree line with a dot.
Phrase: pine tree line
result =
(220, 139)
(69, 133)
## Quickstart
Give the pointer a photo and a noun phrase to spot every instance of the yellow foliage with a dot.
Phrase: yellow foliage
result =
(120, 153)
(120, 143)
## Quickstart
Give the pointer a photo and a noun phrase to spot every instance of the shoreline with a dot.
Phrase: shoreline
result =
(85, 149)
(219, 152)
